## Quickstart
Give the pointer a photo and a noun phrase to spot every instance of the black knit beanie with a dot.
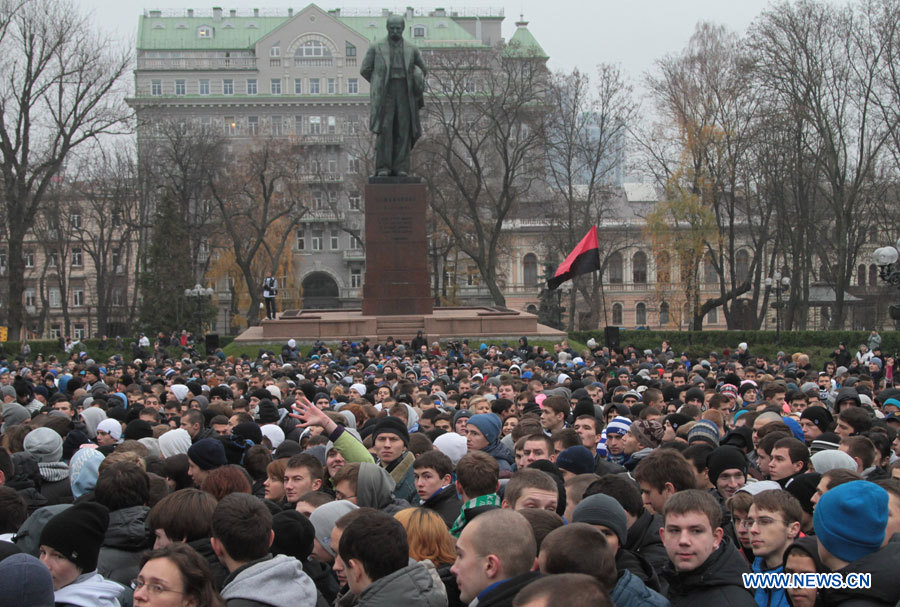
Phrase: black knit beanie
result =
(391, 425)
(77, 533)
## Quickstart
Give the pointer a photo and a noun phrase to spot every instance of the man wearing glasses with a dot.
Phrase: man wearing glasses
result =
(773, 523)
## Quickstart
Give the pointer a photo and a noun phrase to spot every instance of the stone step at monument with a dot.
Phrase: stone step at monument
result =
(399, 327)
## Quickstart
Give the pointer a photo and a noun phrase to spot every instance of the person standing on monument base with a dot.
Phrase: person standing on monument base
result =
(270, 290)
(396, 72)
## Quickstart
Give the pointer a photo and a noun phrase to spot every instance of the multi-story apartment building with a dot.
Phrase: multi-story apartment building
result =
(292, 75)
(79, 270)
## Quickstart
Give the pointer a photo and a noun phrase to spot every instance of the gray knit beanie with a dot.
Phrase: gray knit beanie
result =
(601, 509)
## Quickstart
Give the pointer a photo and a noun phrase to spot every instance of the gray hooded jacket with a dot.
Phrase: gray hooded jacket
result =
(374, 489)
(89, 590)
(412, 585)
(275, 582)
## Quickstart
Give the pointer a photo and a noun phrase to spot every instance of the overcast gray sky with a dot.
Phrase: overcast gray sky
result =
(631, 33)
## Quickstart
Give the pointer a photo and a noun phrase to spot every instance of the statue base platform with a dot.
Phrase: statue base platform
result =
(308, 326)
(396, 256)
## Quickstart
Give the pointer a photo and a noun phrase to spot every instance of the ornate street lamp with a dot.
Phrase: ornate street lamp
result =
(779, 284)
(199, 295)
(889, 271)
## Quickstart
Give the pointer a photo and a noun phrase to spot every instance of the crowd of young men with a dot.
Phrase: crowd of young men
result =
(498, 475)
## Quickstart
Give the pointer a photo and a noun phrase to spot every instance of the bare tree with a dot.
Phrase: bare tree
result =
(812, 57)
(482, 152)
(586, 133)
(178, 215)
(260, 200)
(107, 194)
(709, 109)
(60, 86)
(54, 231)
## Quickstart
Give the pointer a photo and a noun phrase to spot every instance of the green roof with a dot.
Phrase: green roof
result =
(439, 31)
(243, 32)
(524, 44)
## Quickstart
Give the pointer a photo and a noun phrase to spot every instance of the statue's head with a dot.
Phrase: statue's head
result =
(395, 26)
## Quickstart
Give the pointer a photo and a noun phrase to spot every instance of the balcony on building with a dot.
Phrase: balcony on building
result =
(321, 216)
(354, 255)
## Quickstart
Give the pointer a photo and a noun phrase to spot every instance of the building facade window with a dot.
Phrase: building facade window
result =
(639, 268)
(331, 86)
(614, 267)
(741, 266)
(228, 86)
(617, 315)
(275, 51)
(355, 278)
(118, 297)
(313, 48)
(332, 125)
(663, 314)
(350, 50)
(29, 259)
(77, 297)
(55, 331)
(204, 31)
(78, 331)
(30, 297)
(663, 272)
(335, 241)
(301, 240)
(52, 259)
(710, 276)
(251, 86)
(277, 126)
(298, 86)
(418, 31)
(77, 258)
(861, 275)
(353, 164)
(204, 87)
(156, 88)
(180, 88)
(873, 275)
(317, 241)
(252, 125)
(230, 125)
(640, 314)
(352, 86)
(313, 86)
(354, 199)
(529, 270)
(712, 317)
(276, 86)
(54, 298)
(315, 125)
(75, 220)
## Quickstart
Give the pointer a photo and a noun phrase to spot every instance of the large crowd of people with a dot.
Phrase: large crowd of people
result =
(440, 475)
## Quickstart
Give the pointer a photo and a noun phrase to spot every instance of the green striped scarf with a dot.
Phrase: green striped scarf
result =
(491, 499)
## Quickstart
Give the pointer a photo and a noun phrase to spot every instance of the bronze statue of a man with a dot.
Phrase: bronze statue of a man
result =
(396, 73)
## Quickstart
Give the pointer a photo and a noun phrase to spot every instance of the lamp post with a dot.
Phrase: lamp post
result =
(889, 271)
(199, 295)
(779, 284)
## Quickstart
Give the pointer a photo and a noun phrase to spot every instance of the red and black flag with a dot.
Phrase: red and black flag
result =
(583, 259)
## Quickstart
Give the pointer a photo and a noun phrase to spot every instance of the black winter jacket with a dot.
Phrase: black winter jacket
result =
(503, 594)
(716, 582)
(446, 503)
(643, 539)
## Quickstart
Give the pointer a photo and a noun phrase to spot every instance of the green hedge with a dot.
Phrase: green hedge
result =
(91, 346)
(818, 344)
